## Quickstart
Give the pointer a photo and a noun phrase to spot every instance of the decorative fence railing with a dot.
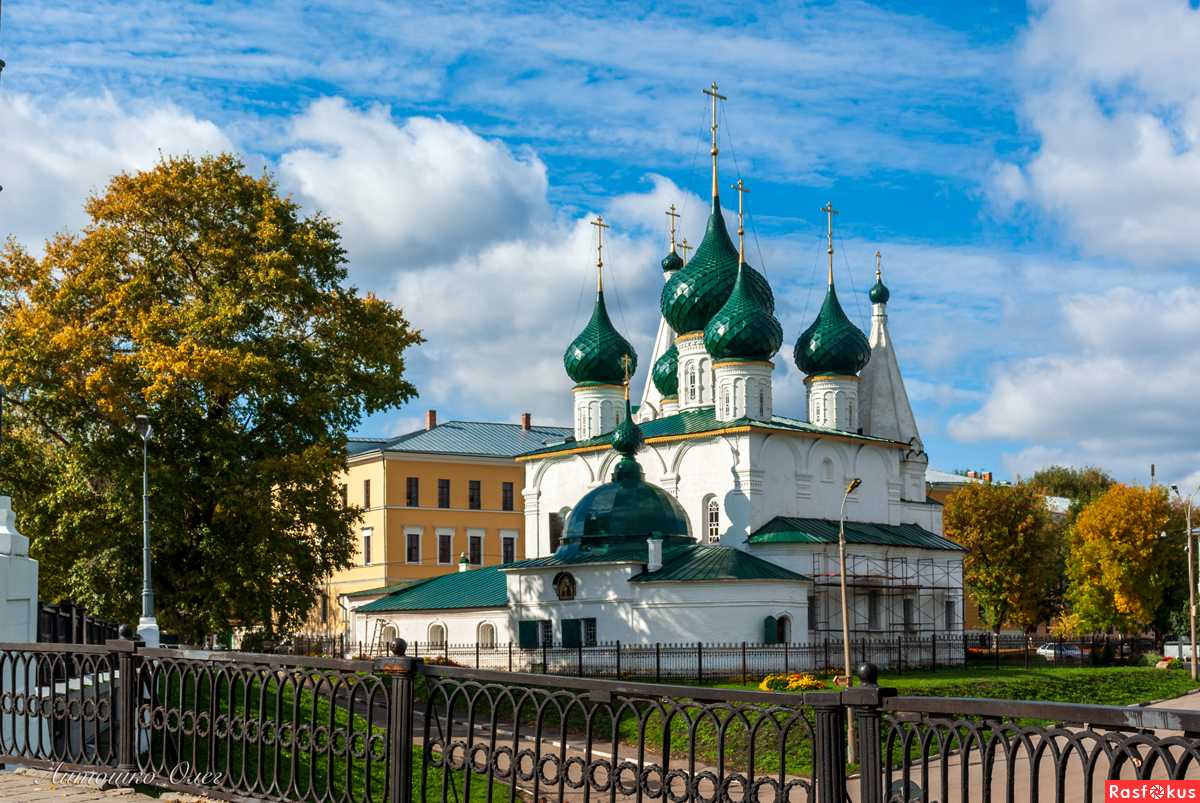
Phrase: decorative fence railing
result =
(68, 623)
(243, 726)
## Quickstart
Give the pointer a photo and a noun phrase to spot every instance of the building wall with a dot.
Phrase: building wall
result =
(389, 518)
(753, 476)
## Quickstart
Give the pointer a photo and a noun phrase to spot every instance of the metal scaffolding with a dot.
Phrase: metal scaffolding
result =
(887, 595)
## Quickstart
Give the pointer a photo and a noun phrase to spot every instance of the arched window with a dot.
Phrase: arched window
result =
(606, 418)
(486, 636)
(437, 635)
(762, 401)
(691, 381)
(816, 419)
(388, 635)
(727, 403)
(827, 470)
(712, 520)
(783, 630)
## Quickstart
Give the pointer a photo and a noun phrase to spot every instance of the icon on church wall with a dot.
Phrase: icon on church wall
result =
(564, 586)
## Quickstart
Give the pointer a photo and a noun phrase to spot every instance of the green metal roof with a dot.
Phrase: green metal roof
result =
(478, 588)
(697, 422)
(472, 438)
(371, 592)
(694, 294)
(742, 328)
(832, 344)
(665, 372)
(789, 530)
(598, 352)
(704, 563)
(628, 552)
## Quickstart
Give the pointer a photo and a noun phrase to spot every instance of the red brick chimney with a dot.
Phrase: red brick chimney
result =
(430, 419)
(526, 421)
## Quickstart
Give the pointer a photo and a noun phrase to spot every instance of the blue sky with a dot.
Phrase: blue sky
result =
(1029, 172)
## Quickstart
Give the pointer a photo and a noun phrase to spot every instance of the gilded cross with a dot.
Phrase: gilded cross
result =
(600, 227)
(712, 92)
(830, 212)
(627, 368)
(673, 215)
(878, 269)
(742, 189)
(684, 247)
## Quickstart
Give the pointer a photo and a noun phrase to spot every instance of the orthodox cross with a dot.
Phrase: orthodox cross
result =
(878, 269)
(742, 189)
(627, 368)
(673, 215)
(712, 92)
(684, 247)
(600, 227)
(830, 212)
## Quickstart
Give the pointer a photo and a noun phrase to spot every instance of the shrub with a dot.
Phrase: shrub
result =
(792, 682)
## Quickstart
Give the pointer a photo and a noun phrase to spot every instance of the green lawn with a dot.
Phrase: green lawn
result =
(1118, 685)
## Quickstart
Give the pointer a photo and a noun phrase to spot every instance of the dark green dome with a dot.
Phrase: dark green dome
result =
(665, 373)
(832, 344)
(694, 294)
(620, 515)
(672, 262)
(879, 293)
(595, 356)
(742, 329)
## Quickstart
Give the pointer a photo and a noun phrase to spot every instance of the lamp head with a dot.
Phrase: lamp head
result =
(854, 483)
(1175, 489)
(142, 424)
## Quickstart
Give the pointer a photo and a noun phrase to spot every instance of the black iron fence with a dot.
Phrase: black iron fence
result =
(68, 623)
(267, 727)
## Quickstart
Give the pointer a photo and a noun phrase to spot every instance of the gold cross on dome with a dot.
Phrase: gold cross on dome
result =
(715, 97)
(600, 227)
(627, 368)
(742, 189)
(684, 247)
(878, 269)
(830, 212)
(673, 215)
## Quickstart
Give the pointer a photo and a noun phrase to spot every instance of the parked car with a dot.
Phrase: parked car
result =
(1052, 651)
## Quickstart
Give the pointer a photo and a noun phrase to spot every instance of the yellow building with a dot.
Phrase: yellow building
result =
(429, 498)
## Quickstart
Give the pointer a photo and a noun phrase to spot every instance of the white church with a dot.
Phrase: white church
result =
(705, 514)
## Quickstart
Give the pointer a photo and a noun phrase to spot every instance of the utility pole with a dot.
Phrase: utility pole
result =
(1187, 512)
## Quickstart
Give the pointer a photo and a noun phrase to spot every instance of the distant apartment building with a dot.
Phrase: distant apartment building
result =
(430, 498)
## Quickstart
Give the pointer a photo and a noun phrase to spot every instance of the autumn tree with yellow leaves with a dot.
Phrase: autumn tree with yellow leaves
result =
(1119, 563)
(199, 296)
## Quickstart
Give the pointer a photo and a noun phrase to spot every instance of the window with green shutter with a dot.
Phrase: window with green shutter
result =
(770, 630)
(572, 633)
(527, 634)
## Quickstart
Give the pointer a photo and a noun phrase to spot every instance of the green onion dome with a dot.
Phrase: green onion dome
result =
(665, 373)
(832, 344)
(672, 262)
(879, 293)
(742, 329)
(694, 294)
(595, 356)
(621, 514)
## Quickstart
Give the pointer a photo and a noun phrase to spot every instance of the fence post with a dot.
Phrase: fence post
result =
(657, 662)
(125, 648)
(933, 652)
(864, 702)
(699, 662)
(403, 671)
(829, 749)
(579, 651)
(826, 668)
(899, 655)
(1026, 646)
(545, 662)
(476, 653)
(996, 649)
(743, 663)
(618, 659)
(510, 654)
(785, 657)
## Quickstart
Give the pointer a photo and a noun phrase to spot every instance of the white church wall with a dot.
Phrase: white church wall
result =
(458, 627)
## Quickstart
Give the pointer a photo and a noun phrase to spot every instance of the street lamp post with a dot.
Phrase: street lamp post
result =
(853, 484)
(1191, 572)
(147, 625)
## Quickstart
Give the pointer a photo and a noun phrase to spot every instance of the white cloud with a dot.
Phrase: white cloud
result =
(52, 155)
(1123, 396)
(411, 193)
(1112, 94)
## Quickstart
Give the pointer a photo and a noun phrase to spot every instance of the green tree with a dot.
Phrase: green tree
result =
(1005, 529)
(200, 297)
(1080, 485)
(1119, 565)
